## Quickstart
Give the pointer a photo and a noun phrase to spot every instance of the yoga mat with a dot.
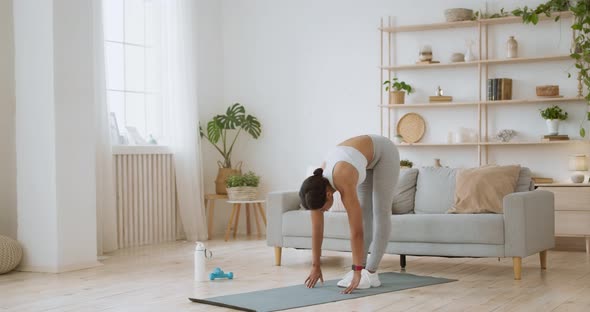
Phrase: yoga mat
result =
(300, 296)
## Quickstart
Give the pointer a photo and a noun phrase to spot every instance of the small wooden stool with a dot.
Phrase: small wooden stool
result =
(210, 205)
(235, 215)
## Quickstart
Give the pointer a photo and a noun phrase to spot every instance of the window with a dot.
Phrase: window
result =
(132, 59)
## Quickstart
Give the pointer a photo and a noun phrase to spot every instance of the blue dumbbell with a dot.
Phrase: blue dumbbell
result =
(218, 273)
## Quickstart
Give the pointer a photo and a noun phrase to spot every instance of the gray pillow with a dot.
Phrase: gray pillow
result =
(405, 192)
(525, 180)
(435, 190)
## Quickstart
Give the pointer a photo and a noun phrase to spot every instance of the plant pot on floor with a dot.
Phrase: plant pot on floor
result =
(242, 193)
(397, 97)
(552, 126)
(222, 175)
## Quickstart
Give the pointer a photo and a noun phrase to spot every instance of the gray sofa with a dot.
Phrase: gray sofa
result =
(421, 226)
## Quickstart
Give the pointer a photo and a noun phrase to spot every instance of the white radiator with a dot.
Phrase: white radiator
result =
(147, 212)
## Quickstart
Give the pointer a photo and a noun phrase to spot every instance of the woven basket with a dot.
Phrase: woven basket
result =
(10, 254)
(242, 193)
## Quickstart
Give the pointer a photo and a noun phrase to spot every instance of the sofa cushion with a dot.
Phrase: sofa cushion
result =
(405, 191)
(298, 223)
(482, 190)
(448, 228)
(435, 190)
(525, 180)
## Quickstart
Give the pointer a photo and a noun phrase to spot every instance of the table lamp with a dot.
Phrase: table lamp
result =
(578, 163)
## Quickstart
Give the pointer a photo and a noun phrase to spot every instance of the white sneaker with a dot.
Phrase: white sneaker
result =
(365, 282)
(374, 279)
(346, 279)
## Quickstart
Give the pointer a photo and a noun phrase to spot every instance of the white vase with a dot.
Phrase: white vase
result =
(511, 48)
(552, 126)
(469, 56)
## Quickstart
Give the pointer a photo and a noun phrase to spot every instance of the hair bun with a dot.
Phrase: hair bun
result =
(318, 172)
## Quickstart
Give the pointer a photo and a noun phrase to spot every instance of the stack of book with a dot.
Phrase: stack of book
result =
(440, 98)
(499, 89)
(540, 180)
(557, 137)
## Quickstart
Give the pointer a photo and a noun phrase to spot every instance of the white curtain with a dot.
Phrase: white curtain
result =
(179, 83)
(106, 211)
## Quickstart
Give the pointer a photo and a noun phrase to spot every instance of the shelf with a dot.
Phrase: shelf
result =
(518, 101)
(467, 24)
(535, 100)
(436, 144)
(495, 143)
(440, 104)
(537, 142)
(473, 63)
(526, 59)
(436, 65)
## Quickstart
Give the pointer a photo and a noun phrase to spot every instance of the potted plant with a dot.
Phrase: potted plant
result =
(398, 139)
(405, 164)
(220, 129)
(553, 115)
(242, 186)
(397, 90)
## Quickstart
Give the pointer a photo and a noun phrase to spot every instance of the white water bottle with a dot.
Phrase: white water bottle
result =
(201, 255)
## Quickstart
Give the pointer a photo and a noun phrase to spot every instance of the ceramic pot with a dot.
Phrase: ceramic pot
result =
(552, 126)
(511, 48)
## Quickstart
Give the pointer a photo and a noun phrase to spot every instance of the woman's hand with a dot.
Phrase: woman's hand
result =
(356, 279)
(314, 276)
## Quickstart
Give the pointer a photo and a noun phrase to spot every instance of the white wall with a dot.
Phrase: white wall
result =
(308, 70)
(7, 121)
(54, 134)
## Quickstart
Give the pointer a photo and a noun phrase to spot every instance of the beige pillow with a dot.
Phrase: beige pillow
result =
(481, 190)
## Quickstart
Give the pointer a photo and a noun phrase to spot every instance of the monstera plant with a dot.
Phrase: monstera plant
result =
(223, 132)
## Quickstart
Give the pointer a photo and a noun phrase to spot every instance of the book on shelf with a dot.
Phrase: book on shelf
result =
(440, 98)
(427, 62)
(557, 137)
(541, 180)
(499, 89)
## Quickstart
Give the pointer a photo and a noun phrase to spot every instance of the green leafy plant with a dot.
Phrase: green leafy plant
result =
(247, 179)
(553, 112)
(406, 163)
(581, 27)
(395, 85)
(219, 130)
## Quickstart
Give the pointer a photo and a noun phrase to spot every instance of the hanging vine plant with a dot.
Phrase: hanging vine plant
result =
(581, 44)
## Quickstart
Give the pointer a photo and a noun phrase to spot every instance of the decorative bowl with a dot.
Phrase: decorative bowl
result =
(458, 14)
(457, 57)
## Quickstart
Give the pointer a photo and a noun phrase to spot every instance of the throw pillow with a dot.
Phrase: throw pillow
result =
(405, 191)
(481, 190)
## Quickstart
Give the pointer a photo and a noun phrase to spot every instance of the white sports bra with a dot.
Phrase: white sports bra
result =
(347, 154)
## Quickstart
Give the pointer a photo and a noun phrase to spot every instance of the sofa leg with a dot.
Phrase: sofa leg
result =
(402, 261)
(278, 251)
(517, 261)
(543, 258)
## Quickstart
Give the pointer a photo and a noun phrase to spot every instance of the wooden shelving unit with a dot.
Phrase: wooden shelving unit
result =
(474, 103)
(467, 24)
(475, 144)
(475, 63)
(389, 69)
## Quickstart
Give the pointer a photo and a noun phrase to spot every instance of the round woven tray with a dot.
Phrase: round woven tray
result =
(411, 127)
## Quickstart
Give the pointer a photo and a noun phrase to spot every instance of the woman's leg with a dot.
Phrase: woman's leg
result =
(365, 195)
(385, 177)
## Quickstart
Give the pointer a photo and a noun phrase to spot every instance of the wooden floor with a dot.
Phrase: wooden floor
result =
(159, 278)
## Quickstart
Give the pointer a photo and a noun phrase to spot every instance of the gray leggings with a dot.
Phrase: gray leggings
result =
(376, 199)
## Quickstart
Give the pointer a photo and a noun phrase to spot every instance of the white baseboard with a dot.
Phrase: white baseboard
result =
(59, 269)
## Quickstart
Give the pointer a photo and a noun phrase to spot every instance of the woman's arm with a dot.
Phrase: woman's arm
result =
(355, 221)
(317, 236)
